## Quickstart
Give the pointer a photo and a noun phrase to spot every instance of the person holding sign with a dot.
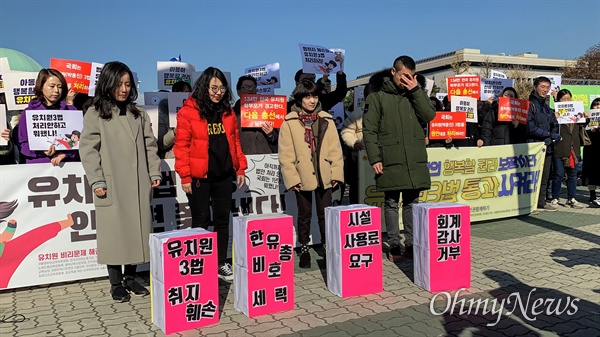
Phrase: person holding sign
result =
(119, 156)
(395, 145)
(565, 157)
(51, 92)
(591, 157)
(208, 155)
(494, 132)
(542, 126)
(261, 140)
(310, 155)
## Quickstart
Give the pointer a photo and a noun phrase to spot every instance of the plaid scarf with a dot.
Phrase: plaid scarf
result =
(309, 136)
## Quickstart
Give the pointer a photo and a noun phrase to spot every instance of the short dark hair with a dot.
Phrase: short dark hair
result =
(181, 86)
(595, 101)
(540, 79)
(298, 74)
(509, 89)
(404, 61)
(42, 77)
(240, 80)
(421, 80)
(562, 93)
(305, 88)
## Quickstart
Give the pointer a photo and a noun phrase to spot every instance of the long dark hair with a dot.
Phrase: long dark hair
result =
(7, 208)
(108, 82)
(205, 106)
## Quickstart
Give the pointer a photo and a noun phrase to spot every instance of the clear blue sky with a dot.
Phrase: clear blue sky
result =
(233, 35)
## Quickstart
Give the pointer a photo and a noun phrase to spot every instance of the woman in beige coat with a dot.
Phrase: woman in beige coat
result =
(119, 154)
(310, 155)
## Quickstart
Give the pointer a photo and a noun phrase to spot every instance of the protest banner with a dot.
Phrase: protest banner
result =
(263, 264)
(175, 101)
(353, 250)
(185, 283)
(76, 73)
(510, 109)
(170, 72)
(4, 68)
(467, 85)
(498, 182)
(265, 74)
(3, 123)
(258, 109)
(594, 120)
(569, 112)
(338, 114)
(442, 246)
(498, 74)
(491, 88)
(61, 128)
(448, 124)
(465, 104)
(19, 89)
(359, 98)
(320, 60)
(94, 74)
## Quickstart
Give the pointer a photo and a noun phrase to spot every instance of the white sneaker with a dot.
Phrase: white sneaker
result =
(225, 272)
(554, 202)
(597, 201)
(574, 203)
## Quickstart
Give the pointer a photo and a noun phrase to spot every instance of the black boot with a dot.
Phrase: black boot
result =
(117, 290)
(304, 257)
(131, 284)
(592, 195)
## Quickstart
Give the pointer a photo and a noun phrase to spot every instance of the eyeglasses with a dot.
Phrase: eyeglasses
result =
(248, 87)
(216, 89)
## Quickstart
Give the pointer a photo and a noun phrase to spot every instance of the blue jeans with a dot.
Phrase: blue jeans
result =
(392, 198)
(559, 172)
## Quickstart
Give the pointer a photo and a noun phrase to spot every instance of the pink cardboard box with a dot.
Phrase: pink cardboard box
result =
(353, 235)
(264, 264)
(442, 246)
(185, 284)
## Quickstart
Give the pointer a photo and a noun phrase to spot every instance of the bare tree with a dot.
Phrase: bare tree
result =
(459, 65)
(487, 66)
(522, 76)
(587, 65)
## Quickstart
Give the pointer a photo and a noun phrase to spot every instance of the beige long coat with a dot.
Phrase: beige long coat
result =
(296, 159)
(121, 152)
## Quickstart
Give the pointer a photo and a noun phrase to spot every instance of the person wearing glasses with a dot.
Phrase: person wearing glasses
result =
(262, 140)
(208, 155)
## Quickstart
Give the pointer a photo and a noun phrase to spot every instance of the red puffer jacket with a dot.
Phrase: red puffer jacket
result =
(191, 143)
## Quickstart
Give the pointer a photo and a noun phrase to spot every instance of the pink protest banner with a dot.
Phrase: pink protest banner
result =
(464, 86)
(353, 250)
(185, 284)
(258, 109)
(77, 73)
(442, 246)
(448, 124)
(512, 108)
(263, 263)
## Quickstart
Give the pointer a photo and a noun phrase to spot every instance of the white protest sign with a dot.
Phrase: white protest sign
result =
(492, 87)
(61, 128)
(176, 100)
(337, 111)
(266, 90)
(3, 124)
(555, 83)
(154, 98)
(428, 86)
(497, 74)
(152, 111)
(19, 89)
(265, 74)
(569, 112)
(359, 97)
(320, 60)
(95, 73)
(594, 118)
(170, 73)
(4, 68)
(465, 104)
(441, 95)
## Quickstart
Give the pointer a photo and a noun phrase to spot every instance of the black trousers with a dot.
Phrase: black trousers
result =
(545, 180)
(115, 273)
(215, 193)
(304, 202)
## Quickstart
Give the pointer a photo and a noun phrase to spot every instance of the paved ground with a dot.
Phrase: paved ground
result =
(552, 258)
